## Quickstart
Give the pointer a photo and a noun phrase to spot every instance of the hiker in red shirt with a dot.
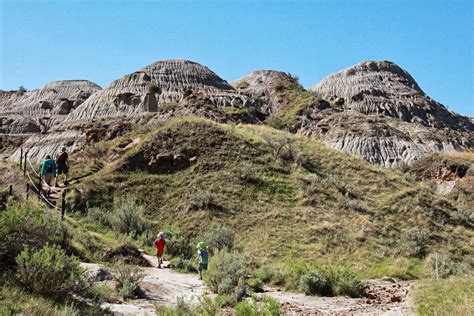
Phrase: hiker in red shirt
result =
(160, 246)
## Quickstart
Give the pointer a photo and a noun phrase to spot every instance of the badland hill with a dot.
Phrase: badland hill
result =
(260, 166)
(374, 109)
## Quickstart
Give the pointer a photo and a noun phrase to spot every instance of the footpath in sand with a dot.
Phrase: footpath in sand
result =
(160, 286)
(164, 286)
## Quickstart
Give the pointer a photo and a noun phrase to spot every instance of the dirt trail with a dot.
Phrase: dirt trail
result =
(160, 286)
(164, 286)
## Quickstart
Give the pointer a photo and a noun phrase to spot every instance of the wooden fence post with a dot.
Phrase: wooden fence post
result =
(40, 187)
(27, 191)
(10, 191)
(63, 204)
(24, 166)
(21, 158)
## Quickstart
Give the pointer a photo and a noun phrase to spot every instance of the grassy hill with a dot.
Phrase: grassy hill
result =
(299, 211)
(287, 198)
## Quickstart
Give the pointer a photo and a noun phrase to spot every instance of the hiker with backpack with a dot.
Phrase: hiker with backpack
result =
(63, 165)
(48, 171)
(160, 245)
(202, 257)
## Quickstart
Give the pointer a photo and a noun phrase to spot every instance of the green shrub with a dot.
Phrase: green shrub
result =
(166, 107)
(182, 308)
(185, 265)
(203, 200)
(127, 278)
(50, 271)
(316, 283)
(275, 121)
(445, 266)
(226, 273)
(127, 218)
(178, 245)
(227, 300)
(413, 242)
(28, 224)
(265, 306)
(128, 290)
(264, 274)
(99, 215)
(328, 281)
(42, 308)
(14, 300)
(96, 150)
(207, 307)
(219, 237)
(255, 284)
(152, 88)
(102, 293)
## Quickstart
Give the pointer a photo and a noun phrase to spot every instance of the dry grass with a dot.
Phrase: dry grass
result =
(342, 210)
(453, 296)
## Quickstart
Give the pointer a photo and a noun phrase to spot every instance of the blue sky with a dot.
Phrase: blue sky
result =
(42, 41)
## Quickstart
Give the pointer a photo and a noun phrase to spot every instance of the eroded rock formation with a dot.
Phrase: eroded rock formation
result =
(382, 87)
(385, 117)
(374, 110)
(39, 110)
(163, 83)
(265, 85)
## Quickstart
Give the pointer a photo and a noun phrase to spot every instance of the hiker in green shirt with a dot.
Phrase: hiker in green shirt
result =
(202, 256)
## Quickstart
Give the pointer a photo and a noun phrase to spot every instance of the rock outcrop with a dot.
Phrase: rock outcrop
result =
(453, 173)
(38, 110)
(382, 87)
(382, 115)
(374, 109)
(383, 140)
(265, 85)
(163, 83)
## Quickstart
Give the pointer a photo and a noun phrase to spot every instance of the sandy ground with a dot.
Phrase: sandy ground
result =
(164, 286)
(300, 304)
(161, 286)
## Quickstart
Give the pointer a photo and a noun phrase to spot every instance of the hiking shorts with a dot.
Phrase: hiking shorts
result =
(202, 266)
(63, 169)
(48, 178)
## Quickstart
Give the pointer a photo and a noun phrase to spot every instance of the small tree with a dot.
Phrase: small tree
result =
(22, 89)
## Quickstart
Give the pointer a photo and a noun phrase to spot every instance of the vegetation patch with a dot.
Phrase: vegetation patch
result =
(452, 296)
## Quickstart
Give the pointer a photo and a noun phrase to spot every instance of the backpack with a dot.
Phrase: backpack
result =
(204, 256)
(48, 168)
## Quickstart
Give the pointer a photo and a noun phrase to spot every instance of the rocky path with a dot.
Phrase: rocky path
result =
(389, 299)
(164, 286)
(159, 286)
